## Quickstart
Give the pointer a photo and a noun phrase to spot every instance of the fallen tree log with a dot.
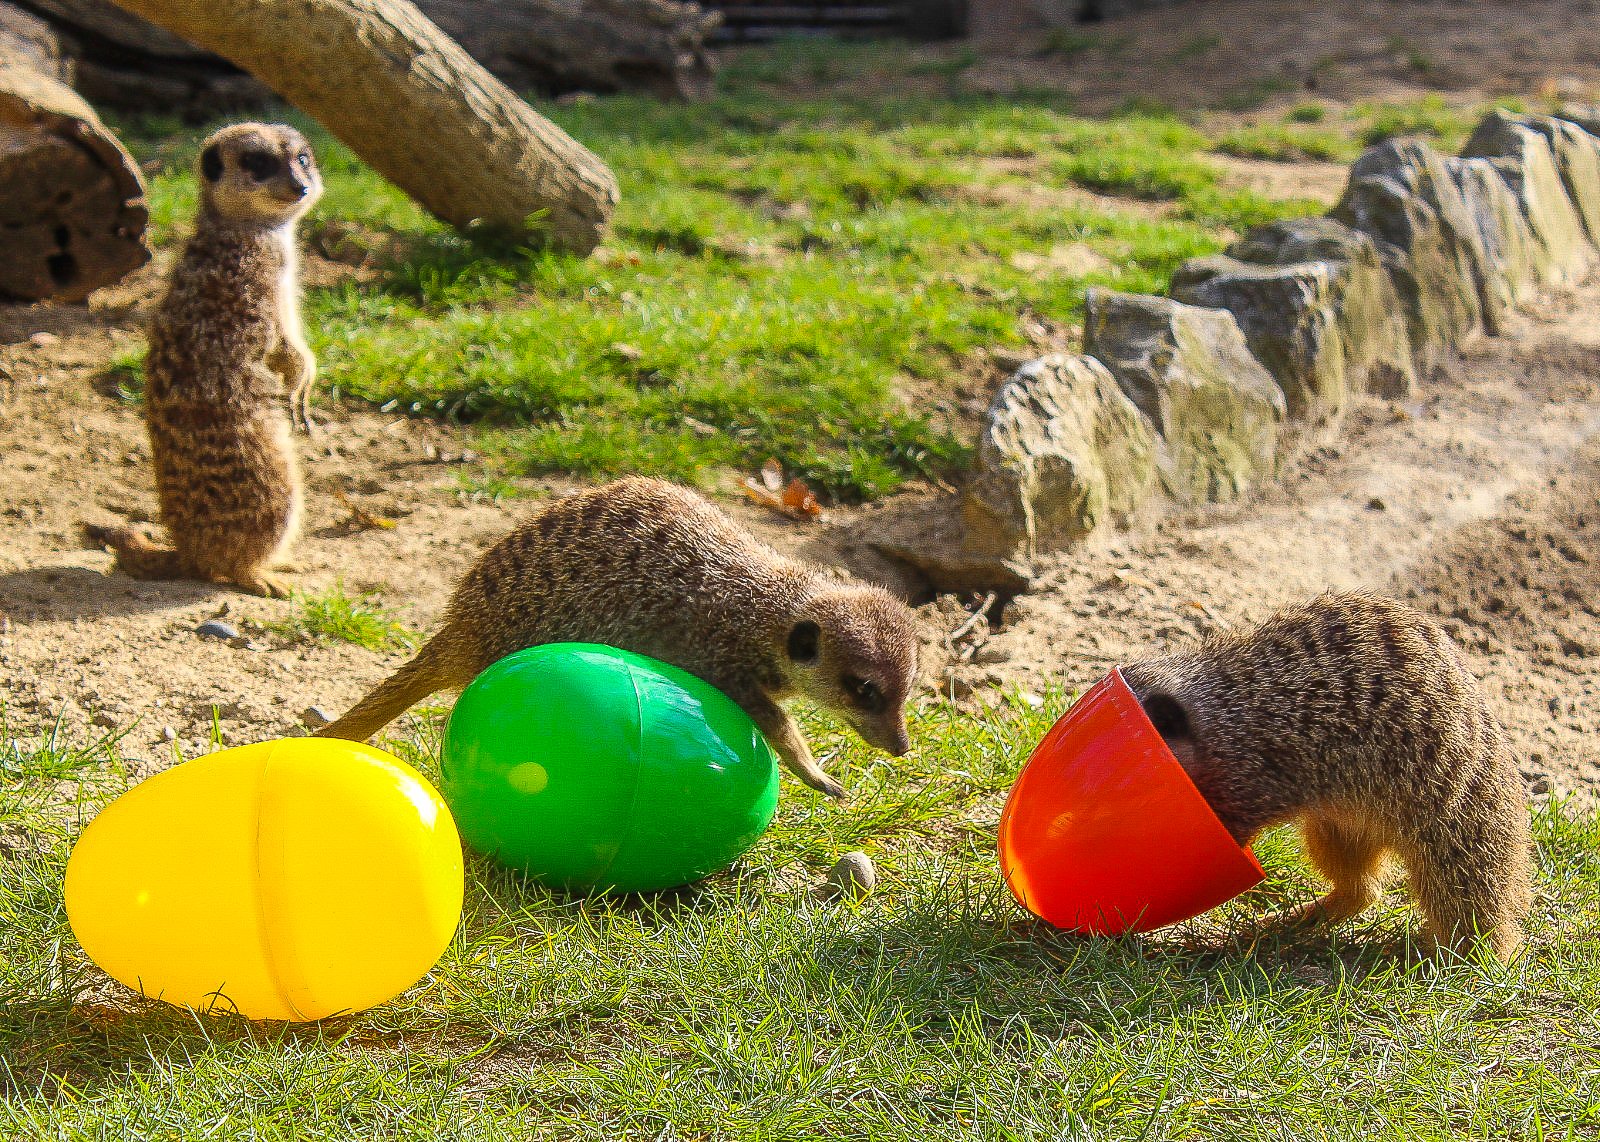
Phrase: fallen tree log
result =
(550, 47)
(557, 46)
(121, 60)
(72, 209)
(415, 106)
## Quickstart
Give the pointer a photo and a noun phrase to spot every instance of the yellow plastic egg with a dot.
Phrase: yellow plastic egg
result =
(293, 879)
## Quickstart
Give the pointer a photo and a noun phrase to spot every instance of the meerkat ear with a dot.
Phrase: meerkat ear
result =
(805, 640)
(211, 163)
(1168, 716)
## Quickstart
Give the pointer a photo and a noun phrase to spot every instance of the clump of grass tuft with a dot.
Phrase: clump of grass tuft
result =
(1147, 156)
(1280, 142)
(126, 374)
(1429, 115)
(1068, 42)
(1249, 96)
(1197, 46)
(335, 615)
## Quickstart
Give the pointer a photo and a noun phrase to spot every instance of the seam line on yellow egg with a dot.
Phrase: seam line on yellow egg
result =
(269, 949)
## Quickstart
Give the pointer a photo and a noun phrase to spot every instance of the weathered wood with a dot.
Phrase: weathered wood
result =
(122, 60)
(546, 46)
(556, 46)
(415, 106)
(72, 210)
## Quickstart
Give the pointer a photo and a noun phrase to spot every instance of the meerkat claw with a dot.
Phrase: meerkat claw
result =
(822, 783)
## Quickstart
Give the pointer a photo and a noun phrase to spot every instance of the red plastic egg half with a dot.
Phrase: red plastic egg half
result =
(1105, 833)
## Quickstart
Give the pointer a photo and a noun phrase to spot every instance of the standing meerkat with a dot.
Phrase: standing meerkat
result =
(1354, 716)
(653, 568)
(227, 361)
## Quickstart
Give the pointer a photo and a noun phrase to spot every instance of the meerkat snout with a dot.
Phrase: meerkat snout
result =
(854, 650)
(255, 173)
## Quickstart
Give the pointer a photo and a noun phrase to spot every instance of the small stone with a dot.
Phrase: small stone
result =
(316, 717)
(1539, 785)
(104, 719)
(1376, 504)
(852, 877)
(41, 339)
(214, 628)
(625, 351)
(169, 734)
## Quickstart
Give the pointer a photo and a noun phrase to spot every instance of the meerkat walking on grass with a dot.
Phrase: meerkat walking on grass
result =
(1354, 716)
(655, 569)
(228, 369)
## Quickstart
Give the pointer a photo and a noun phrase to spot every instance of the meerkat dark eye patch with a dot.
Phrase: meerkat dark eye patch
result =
(260, 165)
(211, 163)
(805, 641)
(864, 694)
(1168, 716)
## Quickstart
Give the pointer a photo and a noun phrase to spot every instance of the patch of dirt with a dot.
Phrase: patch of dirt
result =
(1475, 503)
(1317, 181)
(1265, 52)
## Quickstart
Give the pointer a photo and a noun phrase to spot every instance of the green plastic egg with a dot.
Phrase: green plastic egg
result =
(595, 768)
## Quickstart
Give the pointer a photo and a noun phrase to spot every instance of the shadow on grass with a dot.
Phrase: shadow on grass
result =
(51, 1046)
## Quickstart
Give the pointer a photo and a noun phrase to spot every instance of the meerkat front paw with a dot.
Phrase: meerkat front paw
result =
(822, 783)
(300, 410)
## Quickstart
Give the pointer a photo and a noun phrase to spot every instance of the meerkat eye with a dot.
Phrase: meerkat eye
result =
(259, 165)
(863, 693)
(304, 159)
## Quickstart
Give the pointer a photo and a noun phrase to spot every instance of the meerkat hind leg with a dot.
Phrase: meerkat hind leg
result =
(1465, 902)
(1351, 857)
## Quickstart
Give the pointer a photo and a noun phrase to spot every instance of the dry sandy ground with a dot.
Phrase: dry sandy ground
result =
(1476, 502)
(1349, 50)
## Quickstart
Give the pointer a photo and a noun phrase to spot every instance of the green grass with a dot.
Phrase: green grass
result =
(1068, 42)
(335, 615)
(1287, 142)
(788, 261)
(1430, 115)
(791, 259)
(742, 1008)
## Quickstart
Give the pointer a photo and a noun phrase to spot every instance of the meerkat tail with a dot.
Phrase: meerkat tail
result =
(430, 671)
(136, 555)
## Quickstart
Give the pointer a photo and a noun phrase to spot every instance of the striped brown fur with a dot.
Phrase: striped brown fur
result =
(654, 568)
(1354, 717)
(226, 371)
